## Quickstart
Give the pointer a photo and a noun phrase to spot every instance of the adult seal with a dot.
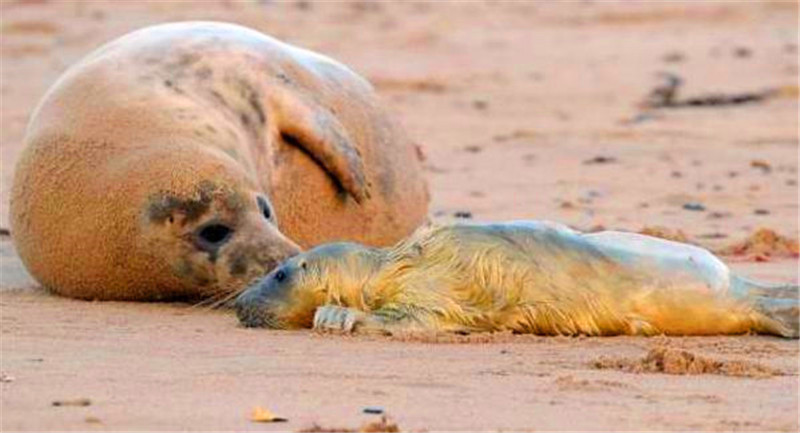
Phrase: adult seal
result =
(185, 159)
(524, 277)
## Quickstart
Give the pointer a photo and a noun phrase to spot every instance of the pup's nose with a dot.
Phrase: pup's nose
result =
(250, 309)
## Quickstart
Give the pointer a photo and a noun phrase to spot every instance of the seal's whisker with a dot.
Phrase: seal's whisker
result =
(208, 302)
(225, 298)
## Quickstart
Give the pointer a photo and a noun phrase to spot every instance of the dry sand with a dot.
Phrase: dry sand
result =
(524, 110)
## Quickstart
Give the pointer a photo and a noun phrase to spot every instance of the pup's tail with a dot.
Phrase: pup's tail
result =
(779, 304)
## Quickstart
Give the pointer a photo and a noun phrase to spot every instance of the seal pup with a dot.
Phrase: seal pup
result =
(183, 160)
(526, 277)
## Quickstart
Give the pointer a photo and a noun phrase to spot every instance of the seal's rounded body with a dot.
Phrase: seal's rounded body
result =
(527, 277)
(184, 159)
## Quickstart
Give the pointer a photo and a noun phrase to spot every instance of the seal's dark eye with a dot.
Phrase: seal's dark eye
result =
(264, 207)
(214, 235)
(280, 276)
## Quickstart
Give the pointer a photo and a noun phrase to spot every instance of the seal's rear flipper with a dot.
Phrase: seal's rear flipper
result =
(324, 138)
(779, 303)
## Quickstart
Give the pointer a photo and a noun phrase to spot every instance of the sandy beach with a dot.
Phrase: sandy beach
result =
(523, 111)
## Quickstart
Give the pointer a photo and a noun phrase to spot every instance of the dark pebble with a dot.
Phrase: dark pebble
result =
(742, 52)
(719, 215)
(463, 214)
(374, 410)
(74, 402)
(715, 235)
(600, 160)
(479, 104)
(673, 57)
(694, 207)
(761, 212)
(473, 149)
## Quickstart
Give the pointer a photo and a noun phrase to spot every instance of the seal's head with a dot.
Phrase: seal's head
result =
(160, 222)
(216, 235)
(287, 297)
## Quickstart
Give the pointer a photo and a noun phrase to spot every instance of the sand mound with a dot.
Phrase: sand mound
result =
(383, 425)
(673, 361)
(665, 233)
(763, 245)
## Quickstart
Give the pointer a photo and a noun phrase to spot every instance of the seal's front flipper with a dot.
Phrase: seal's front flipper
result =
(779, 303)
(316, 131)
(346, 320)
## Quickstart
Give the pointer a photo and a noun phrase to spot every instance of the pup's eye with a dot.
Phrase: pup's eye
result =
(280, 276)
(264, 207)
(304, 265)
(213, 235)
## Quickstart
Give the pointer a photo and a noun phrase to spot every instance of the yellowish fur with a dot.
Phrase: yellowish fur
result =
(504, 277)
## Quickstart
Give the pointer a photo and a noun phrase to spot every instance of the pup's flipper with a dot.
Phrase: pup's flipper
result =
(347, 320)
(779, 303)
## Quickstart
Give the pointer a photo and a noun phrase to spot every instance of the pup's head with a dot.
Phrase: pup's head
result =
(289, 295)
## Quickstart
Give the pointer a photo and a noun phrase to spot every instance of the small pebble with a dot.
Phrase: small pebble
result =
(762, 165)
(473, 148)
(694, 207)
(600, 159)
(715, 235)
(639, 118)
(676, 174)
(742, 52)
(673, 57)
(73, 402)
(374, 410)
(6, 378)
(480, 104)
(761, 212)
(719, 215)
(463, 214)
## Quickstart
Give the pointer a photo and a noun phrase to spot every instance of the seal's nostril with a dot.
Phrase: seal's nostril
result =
(263, 206)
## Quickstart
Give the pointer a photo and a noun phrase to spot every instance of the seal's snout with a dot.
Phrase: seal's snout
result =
(251, 309)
